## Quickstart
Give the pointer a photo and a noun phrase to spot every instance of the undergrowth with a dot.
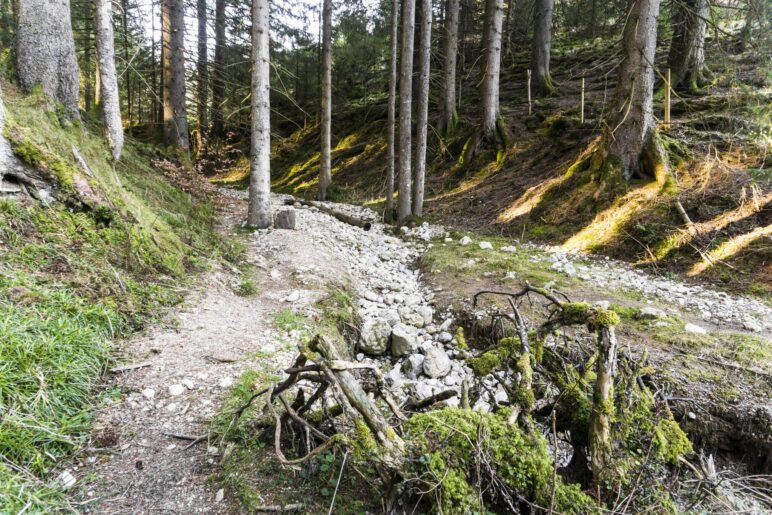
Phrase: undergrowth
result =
(72, 279)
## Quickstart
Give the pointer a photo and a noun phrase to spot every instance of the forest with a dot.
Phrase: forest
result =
(385, 256)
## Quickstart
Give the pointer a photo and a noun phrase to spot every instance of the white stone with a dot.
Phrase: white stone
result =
(403, 340)
(650, 312)
(436, 363)
(188, 383)
(176, 389)
(65, 480)
(413, 366)
(466, 240)
(695, 329)
(509, 249)
(375, 334)
(226, 382)
(148, 393)
(486, 245)
(444, 337)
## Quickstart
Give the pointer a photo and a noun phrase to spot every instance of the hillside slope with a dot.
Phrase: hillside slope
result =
(88, 253)
(717, 145)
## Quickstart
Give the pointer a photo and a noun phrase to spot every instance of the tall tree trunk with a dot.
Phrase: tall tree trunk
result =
(542, 40)
(392, 115)
(175, 111)
(687, 48)
(127, 71)
(154, 72)
(88, 80)
(326, 101)
(447, 109)
(111, 100)
(203, 67)
(218, 70)
(259, 213)
(489, 93)
(631, 136)
(422, 114)
(405, 110)
(45, 51)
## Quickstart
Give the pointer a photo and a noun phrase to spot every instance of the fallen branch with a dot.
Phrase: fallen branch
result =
(343, 217)
(127, 368)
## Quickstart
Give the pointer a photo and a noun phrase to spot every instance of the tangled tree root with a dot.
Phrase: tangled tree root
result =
(458, 460)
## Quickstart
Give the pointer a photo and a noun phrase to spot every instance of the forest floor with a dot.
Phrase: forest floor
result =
(240, 328)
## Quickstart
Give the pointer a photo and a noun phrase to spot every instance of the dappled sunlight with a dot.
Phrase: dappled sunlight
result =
(729, 249)
(749, 207)
(470, 183)
(607, 224)
(529, 200)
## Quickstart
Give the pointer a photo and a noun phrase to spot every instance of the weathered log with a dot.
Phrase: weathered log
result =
(356, 403)
(343, 217)
(416, 405)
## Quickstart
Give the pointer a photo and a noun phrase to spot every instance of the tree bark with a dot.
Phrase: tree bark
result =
(111, 101)
(405, 111)
(631, 136)
(489, 93)
(45, 51)
(687, 48)
(603, 402)
(88, 80)
(325, 173)
(542, 40)
(218, 70)
(203, 67)
(447, 109)
(127, 71)
(259, 212)
(422, 114)
(392, 111)
(175, 111)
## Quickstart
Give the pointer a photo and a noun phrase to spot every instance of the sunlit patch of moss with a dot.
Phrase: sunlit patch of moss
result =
(364, 441)
(461, 339)
(574, 313)
(670, 441)
(443, 443)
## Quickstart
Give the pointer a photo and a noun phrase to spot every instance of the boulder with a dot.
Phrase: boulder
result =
(403, 340)
(411, 317)
(436, 363)
(427, 313)
(650, 313)
(466, 240)
(413, 366)
(695, 329)
(486, 245)
(285, 219)
(374, 339)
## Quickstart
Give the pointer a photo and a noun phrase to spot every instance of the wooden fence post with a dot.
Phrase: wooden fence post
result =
(667, 100)
(529, 92)
(581, 101)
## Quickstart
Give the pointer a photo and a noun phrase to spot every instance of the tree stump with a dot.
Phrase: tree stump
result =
(285, 219)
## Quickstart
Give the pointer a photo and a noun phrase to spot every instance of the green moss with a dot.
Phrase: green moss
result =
(600, 317)
(495, 358)
(524, 395)
(364, 441)
(574, 313)
(443, 443)
(461, 339)
(670, 441)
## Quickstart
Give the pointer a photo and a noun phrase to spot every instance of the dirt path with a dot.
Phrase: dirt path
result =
(194, 357)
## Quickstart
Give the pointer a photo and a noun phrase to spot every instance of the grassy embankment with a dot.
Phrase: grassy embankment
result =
(74, 278)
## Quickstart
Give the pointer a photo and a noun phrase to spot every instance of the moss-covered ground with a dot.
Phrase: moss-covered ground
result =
(74, 278)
